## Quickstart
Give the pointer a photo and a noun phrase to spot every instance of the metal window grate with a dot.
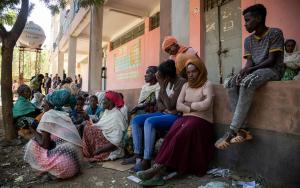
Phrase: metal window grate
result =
(130, 35)
(154, 21)
(210, 4)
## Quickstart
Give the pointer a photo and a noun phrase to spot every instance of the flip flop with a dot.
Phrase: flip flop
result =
(242, 136)
(153, 182)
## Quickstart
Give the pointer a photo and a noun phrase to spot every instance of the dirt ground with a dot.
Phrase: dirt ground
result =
(14, 172)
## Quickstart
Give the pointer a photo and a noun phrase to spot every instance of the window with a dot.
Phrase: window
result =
(210, 4)
(130, 35)
(154, 21)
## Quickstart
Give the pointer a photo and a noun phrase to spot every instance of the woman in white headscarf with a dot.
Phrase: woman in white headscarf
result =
(56, 147)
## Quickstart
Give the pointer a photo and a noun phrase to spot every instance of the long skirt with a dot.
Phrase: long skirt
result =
(188, 146)
(62, 160)
(93, 139)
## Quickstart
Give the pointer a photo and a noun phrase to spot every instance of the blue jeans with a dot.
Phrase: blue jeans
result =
(150, 122)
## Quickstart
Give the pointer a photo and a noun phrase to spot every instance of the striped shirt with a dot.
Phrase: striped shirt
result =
(259, 48)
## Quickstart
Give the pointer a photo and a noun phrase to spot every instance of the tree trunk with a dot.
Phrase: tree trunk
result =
(9, 40)
(6, 91)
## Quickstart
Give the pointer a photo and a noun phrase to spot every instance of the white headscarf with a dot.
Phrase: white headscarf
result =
(59, 124)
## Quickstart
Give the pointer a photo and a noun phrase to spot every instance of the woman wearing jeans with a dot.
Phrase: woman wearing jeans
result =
(170, 87)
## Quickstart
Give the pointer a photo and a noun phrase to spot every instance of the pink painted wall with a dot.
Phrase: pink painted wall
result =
(149, 51)
(281, 14)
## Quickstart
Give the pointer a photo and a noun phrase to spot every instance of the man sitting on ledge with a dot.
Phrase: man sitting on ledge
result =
(264, 54)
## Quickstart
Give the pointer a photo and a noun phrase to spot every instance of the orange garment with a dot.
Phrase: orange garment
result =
(168, 42)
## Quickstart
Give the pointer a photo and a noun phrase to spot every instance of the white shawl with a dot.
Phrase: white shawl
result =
(59, 124)
(147, 89)
(112, 124)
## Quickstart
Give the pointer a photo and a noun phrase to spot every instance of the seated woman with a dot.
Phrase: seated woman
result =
(291, 61)
(188, 146)
(149, 93)
(24, 111)
(94, 110)
(145, 125)
(104, 137)
(78, 116)
(56, 148)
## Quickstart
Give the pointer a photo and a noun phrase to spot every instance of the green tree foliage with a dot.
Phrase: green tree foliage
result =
(15, 13)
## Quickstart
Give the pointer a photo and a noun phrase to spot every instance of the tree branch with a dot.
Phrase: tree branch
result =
(20, 22)
(3, 31)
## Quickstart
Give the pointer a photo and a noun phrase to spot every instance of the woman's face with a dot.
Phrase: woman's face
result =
(27, 93)
(149, 76)
(192, 72)
(107, 104)
(173, 49)
(93, 102)
(160, 78)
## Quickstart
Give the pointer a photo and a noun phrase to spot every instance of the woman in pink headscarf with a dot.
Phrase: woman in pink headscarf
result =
(103, 140)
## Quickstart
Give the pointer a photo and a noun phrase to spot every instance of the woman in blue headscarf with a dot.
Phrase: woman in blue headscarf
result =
(56, 148)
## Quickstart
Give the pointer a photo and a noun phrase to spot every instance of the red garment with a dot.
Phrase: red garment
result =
(115, 98)
(188, 146)
(93, 139)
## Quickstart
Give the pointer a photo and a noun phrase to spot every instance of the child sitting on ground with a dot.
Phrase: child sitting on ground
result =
(78, 116)
(94, 110)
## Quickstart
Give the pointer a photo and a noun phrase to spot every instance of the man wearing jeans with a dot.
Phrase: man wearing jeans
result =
(264, 54)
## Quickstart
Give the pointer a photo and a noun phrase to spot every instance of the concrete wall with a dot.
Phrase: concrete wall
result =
(82, 68)
(149, 55)
(275, 107)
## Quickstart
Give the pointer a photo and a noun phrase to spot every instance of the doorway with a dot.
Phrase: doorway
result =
(223, 38)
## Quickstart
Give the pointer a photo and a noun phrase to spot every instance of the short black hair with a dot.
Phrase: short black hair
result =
(22, 89)
(167, 68)
(95, 97)
(289, 40)
(80, 99)
(257, 9)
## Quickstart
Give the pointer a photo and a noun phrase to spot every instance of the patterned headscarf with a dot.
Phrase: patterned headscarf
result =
(59, 98)
(115, 97)
(202, 78)
(168, 41)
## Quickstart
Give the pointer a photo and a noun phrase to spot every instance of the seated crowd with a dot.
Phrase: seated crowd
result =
(176, 103)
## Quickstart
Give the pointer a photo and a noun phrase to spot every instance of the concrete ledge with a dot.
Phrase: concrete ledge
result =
(272, 155)
(276, 107)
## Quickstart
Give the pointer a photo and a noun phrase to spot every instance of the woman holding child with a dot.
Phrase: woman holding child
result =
(104, 137)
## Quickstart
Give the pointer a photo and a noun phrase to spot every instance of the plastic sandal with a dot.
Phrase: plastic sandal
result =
(242, 136)
(224, 142)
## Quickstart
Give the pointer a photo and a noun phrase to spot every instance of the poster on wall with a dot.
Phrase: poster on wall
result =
(127, 60)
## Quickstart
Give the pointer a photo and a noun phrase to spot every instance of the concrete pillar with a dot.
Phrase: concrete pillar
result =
(60, 64)
(165, 24)
(95, 51)
(72, 57)
(180, 21)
